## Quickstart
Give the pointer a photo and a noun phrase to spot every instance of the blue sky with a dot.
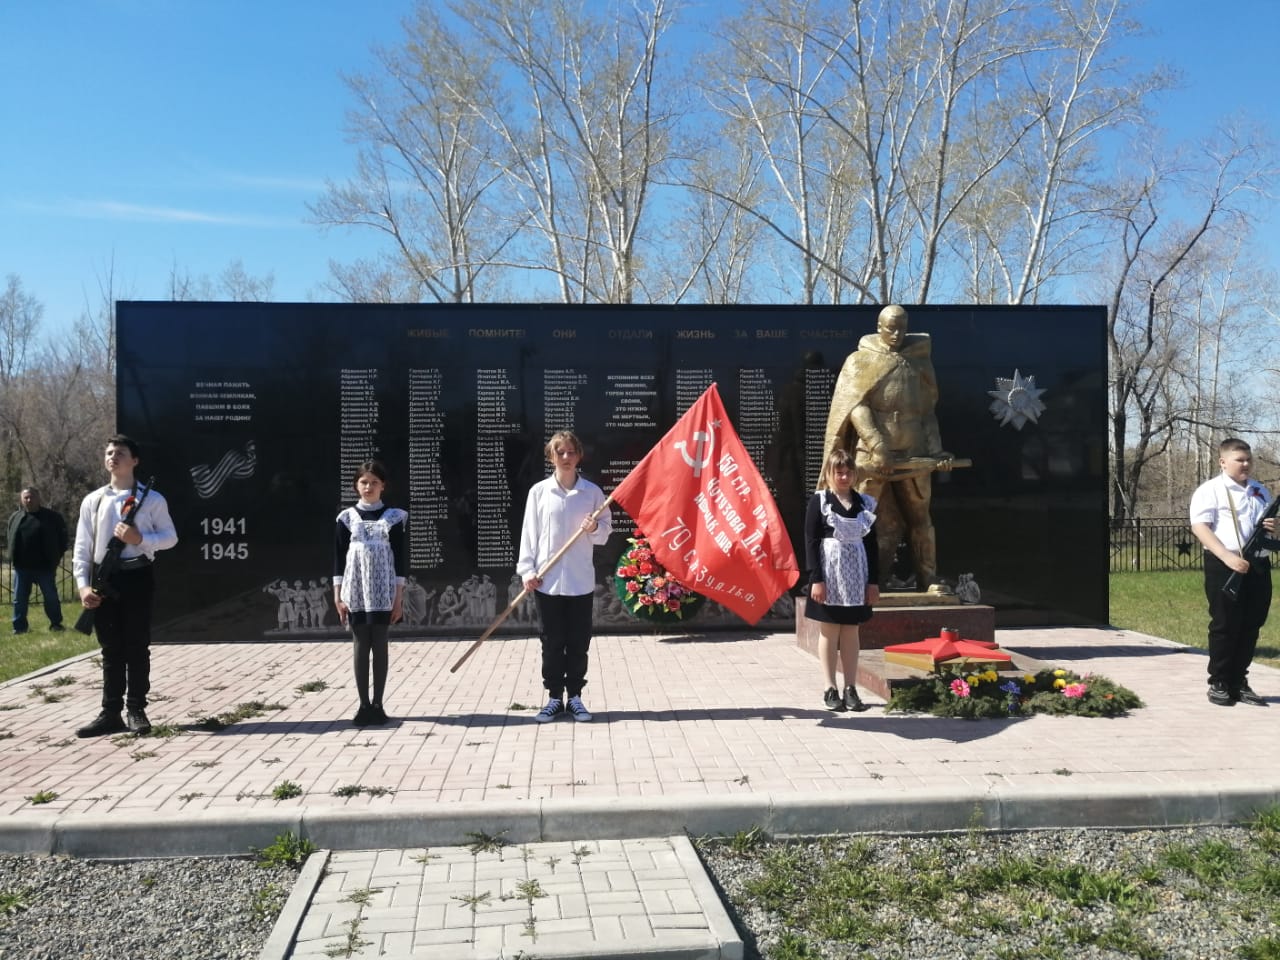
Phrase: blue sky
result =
(140, 135)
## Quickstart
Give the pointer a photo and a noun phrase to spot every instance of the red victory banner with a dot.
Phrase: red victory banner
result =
(708, 515)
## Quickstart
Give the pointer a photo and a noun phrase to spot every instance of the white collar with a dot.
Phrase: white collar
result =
(1232, 485)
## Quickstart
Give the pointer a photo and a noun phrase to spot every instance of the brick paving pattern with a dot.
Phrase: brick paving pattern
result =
(704, 734)
(720, 716)
(606, 898)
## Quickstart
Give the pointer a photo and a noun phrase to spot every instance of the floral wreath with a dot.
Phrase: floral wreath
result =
(647, 589)
(970, 695)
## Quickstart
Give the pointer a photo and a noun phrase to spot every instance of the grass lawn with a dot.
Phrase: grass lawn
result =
(39, 647)
(1134, 896)
(1172, 605)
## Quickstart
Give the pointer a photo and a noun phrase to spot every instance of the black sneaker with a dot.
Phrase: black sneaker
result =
(138, 722)
(852, 701)
(579, 710)
(377, 716)
(1246, 695)
(1220, 695)
(103, 724)
(56, 627)
(832, 700)
(553, 709)
(363, 717)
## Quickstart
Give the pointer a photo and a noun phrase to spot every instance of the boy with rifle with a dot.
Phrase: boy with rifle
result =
(139, 518)
(1225, 513)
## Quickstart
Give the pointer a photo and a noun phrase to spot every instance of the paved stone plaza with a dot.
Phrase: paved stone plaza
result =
(693, 735)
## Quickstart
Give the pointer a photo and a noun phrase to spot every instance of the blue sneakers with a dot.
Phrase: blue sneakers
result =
(553, 709)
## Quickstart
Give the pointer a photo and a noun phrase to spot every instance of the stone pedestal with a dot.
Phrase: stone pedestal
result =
(906, 624)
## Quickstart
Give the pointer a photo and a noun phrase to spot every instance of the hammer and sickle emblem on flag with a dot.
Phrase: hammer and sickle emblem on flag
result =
(703, 444)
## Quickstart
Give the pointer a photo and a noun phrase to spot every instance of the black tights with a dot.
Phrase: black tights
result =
(370, 639)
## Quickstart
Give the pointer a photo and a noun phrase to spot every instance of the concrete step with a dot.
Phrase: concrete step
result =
(647, 897)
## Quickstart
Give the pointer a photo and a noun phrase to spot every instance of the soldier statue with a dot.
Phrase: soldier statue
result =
(883, 409)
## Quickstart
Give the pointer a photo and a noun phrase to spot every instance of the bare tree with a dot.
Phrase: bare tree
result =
(719, 247)
(1147, 299)
(234, 283)
(239, 285)
(586, 131)
(57, 398)
(1231, 303)
(779, 90)
(914, 146)
(371, 281)
(429, 173)
(20, 315)
(1032, 220)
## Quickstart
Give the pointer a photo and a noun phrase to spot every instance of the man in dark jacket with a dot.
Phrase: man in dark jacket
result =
(36, 541)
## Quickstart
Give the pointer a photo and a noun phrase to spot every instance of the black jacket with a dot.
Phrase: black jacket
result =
(51, 543)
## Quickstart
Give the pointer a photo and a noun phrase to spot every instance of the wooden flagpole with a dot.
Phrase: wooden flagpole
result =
(523, 593)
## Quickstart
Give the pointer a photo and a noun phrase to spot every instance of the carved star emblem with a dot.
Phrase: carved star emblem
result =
(936, 650)
(1016, 400)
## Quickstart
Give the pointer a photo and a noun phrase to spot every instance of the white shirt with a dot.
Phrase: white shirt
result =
(551, 516)
(100, 511)
(1210, 505)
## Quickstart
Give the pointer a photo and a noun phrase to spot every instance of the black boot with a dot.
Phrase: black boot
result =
(103, 724)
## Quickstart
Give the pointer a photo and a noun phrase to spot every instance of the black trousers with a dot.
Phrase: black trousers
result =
(1234, 624)
(123, 626)
(566, 639)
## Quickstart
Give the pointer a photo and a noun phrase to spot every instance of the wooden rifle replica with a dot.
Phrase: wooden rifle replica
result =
(110, 564)
(1258, 543)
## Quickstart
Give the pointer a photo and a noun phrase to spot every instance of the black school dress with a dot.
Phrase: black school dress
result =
(840, 551)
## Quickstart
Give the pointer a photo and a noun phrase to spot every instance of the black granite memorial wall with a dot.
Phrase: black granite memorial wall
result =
(252, 416)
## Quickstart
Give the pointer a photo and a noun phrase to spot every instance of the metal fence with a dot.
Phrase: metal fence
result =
(66, 587)
(1158, 543)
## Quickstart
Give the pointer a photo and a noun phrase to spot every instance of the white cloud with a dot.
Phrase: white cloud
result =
(143, 213)
(296, 184)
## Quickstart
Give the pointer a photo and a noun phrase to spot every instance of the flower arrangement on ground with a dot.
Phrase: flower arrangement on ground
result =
(970, 695)
(648, 590)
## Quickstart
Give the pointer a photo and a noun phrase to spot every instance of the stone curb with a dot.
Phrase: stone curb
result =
(50, 668)
(279, 945)
(722, 928)
(935, 810)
